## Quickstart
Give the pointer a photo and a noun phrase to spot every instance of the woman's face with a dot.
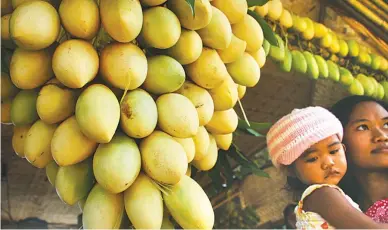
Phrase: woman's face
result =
(366, 136)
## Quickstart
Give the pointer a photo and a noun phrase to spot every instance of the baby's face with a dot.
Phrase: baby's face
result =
(322, 163)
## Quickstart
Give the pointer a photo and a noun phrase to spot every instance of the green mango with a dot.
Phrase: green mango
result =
(23, 108)
(286, 64)
(322, 66)
(266, 47)
(277, 53)
(354, 48)
(383, 64)
(356, 88)
(51, 172)
(376, 86)
(346, 77)
(367, 84)
(384, 84)
(344, 48)
(380, 92)
(312, 66)
(74, 182)
(376, 61)
(299, 63)
(363, 57)
(334, 73)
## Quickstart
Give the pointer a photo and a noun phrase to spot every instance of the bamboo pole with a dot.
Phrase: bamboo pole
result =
(342, 6)
(381, 4)
(365, 32)
(381, 13)
(368, 13)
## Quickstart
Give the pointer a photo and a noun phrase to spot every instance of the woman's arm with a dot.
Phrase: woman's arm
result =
(329, 203)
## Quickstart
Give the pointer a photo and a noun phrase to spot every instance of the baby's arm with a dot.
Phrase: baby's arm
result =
(329, 203)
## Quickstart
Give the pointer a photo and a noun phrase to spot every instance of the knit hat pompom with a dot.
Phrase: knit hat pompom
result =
(294, 133)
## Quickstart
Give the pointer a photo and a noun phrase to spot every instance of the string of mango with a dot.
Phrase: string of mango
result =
(312, 49)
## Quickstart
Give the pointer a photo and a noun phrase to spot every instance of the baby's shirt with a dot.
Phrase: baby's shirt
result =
(312, 220)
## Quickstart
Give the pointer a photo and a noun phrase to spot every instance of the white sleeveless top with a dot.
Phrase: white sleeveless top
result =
(312, 220)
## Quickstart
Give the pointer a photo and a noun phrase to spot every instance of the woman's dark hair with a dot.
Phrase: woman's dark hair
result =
(342, 110)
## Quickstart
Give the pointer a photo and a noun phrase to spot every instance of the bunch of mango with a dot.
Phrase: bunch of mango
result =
(116, 100)
(314, 65)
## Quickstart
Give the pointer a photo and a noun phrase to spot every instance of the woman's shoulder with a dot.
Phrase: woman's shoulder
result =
(379, 211)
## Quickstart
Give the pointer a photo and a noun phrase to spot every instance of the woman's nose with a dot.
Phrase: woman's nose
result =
(380, 135)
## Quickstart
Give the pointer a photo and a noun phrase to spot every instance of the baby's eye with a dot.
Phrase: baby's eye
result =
(311, 160)
(362, 127)
(334, 151)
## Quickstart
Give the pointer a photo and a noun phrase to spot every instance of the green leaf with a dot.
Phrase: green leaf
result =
(228, 171)
(191, 4)
(268, 33)
(254, 125)
(215, 176)
(256, 2)
(258, 172)
(250, 132)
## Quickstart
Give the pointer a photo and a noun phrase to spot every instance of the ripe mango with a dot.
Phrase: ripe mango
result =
(209, 161)
(98, 113)
(218, 33)
(81, 146)
(103, 209)
(203, 13)
(208, 71)
(201, 141)
(224, 141)
(250, 31)
(123, 65)
(354, 48)
(234, 51)
(188, 48)
(189, 147)
(139, 115)
(161, 28)
(122, 20)
(51, 172)
(223, 122)
(123, 157)
(163, 158)
(201, 99)
(177, 115)
(245, 71)
(234, 10)
(144, 211)
(19, 138)
(37, 146)
(189, 205)
(224, 96)
(165, 75)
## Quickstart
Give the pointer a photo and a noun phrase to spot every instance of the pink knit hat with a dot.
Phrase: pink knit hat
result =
(296, 132)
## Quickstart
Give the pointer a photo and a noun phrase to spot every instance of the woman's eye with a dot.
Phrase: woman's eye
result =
(385, 125)
(313, 159)
(362, 127)
(334, 151)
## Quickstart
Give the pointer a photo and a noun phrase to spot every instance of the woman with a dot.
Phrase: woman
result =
(365, 122)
